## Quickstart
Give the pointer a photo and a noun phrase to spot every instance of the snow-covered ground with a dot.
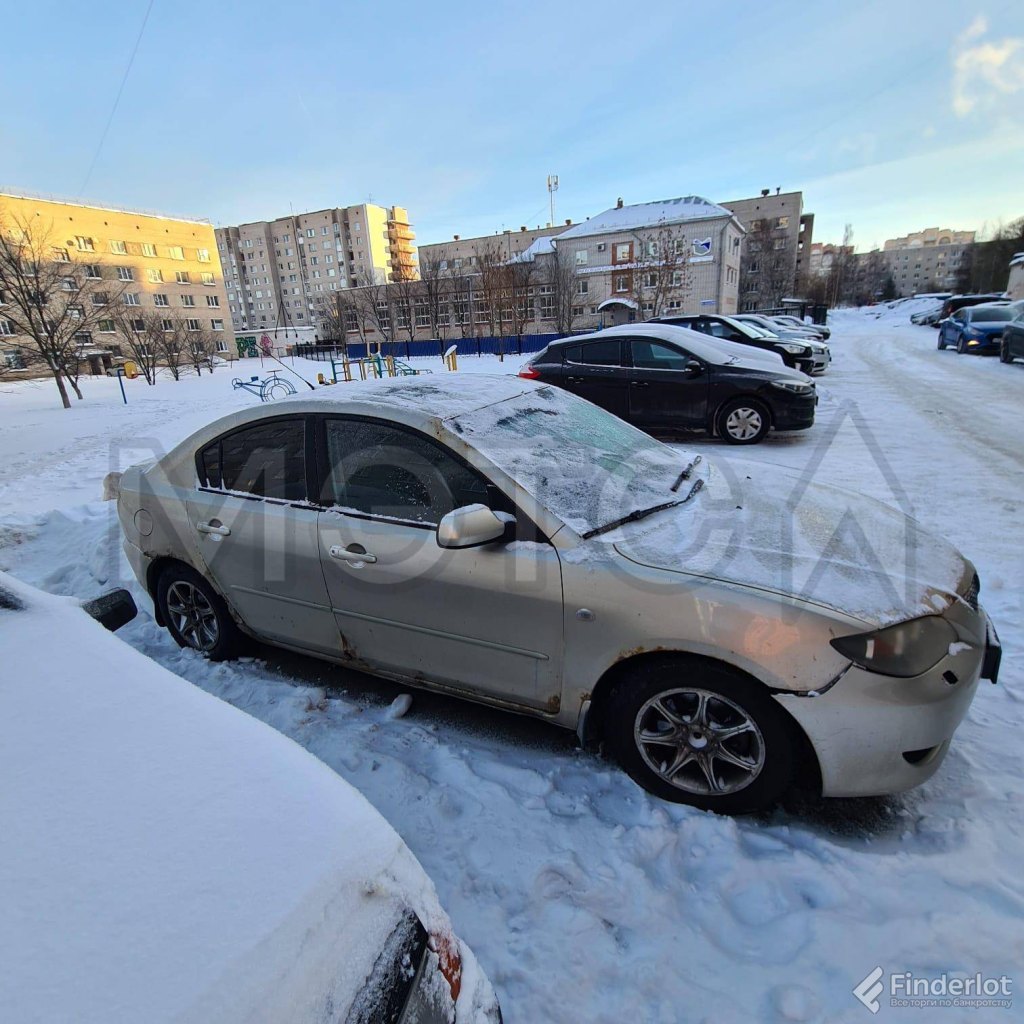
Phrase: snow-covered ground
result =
(584, 898)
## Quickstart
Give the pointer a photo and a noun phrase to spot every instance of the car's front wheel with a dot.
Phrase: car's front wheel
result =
(743, 421)
(697, 732)
(942, 341)
(1004, 352)
(961, 345)
(195, 614)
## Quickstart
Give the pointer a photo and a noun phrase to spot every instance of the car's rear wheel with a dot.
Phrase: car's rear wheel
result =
(195, 614)
(743, 421)
(697, 732)
(1004, 352)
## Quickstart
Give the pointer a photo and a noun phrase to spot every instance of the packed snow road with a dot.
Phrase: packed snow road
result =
(584, 898)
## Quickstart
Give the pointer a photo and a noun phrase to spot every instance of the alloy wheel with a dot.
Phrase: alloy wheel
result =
(192, 615)
(699, 741)
(743, 423)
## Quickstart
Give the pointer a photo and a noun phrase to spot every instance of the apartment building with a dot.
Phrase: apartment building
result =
(465, 252)
(636, 261)
(167, 264)
(776, 248)
(934, 259)
(1015, 284)
(284, 272)
(823, 256)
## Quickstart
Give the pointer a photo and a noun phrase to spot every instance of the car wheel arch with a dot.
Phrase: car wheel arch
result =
(157, 568)
(592, 713)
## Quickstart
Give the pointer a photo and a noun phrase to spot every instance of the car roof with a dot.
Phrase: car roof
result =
(167, 856)
(701, 345)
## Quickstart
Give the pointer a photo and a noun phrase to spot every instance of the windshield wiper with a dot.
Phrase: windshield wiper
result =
(685, 475)
(643, 513)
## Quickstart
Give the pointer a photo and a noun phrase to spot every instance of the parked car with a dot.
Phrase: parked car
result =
(976, 329)
(505, 541)
(927, 317)
(167, 857)
(799, 354)
(955, 302)
(664, 378)
(769, 325)
(823, 331)
(1011, 345)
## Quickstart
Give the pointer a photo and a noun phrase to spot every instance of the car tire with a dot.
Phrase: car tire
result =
(691, 700)
(961, 345)
(1004, 353)
(195, 615)
(743, 421)
(942, 341)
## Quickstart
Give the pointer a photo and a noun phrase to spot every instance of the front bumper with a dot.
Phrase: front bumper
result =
(795, 414)
(875, 734)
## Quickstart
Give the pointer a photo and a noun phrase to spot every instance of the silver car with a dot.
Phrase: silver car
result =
(723, 630)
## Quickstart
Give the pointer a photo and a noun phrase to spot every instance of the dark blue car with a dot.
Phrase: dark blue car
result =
(976, 328)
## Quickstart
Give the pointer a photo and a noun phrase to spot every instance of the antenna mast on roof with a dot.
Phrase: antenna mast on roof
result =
(552, 189)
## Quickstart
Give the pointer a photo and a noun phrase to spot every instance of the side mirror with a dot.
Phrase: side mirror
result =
(469, 527)
(693, 368)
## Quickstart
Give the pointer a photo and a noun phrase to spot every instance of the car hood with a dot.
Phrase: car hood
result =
(989, 326)
(770, 529)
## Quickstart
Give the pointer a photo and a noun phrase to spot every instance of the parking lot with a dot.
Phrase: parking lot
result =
(583, 897)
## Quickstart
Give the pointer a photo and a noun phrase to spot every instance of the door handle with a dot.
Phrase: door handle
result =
(348, 555)
(639, 384)
(215, 527)
(575, 380)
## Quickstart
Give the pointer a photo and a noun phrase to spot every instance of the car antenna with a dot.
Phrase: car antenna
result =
(685, 475)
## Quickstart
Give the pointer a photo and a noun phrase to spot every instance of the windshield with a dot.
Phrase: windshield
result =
(991, 314)
(588, 467)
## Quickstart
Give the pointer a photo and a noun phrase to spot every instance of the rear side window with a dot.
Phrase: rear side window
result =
(267, 460)
(596, 353)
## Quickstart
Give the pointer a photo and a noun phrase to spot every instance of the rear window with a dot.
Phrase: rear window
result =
(991, 314)
(266, 460)
(596, 353)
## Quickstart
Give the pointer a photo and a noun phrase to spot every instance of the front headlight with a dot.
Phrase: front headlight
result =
(796, 386)
(792, 349)
(906, 649)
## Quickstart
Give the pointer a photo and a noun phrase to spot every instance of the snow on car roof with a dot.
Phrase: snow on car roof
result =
(165, 856)
(646, 215)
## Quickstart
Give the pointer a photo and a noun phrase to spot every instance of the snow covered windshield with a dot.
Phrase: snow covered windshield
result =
(584, 464)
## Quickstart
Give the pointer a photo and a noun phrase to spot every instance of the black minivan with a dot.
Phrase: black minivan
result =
(663, 378)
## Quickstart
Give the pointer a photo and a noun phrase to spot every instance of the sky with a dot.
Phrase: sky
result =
(889, 115)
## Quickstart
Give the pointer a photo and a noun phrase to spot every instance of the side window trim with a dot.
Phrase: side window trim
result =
(203, 486)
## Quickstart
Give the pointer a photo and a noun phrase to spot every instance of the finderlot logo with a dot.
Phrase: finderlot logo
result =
(943, 990)
(870, 989)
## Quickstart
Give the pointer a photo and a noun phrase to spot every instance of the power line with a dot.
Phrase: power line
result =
(117, 100)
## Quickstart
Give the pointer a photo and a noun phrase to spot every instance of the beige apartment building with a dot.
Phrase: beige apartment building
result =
(928, 261)
(465, 252)
(160, 263)
(285, 272)
(776, 247)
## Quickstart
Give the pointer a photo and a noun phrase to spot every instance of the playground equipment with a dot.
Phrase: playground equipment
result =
(273, 387)
(451, 357)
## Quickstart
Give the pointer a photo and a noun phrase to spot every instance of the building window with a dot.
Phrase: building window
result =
(582, 286)
(623, 252)
(577, 311)
(207, 277)
(621, 283)
(67, 284)
(194, 325)
(148, 249)
(651, 280)
(181, 276)
(92, 271)
(213, 300)
(160, 300)
(118, 248)
(125, 274)
(188, 300)
(203, 255)
(176, 252)
(168, 325)
(100, 298)
(154, 276)
(84, 244)
(139, 327)
(782, 222)
(217, 325)
(581, 257)
(6, 329)
(131, 299)
(105, 327)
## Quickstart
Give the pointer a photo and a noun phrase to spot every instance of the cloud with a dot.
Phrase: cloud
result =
(985, 73)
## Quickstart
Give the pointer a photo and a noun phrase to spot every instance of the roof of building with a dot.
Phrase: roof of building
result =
(646, 215)
(538, 247)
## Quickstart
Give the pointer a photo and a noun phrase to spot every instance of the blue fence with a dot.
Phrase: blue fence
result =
(326, 350)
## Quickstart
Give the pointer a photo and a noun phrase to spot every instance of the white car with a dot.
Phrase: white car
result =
(165, 857)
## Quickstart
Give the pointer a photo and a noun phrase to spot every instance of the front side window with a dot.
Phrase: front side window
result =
(652, 355)
(378, 469)
(266, 460)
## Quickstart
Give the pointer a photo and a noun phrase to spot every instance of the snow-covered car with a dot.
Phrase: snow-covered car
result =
(822, 331)
(725, 629)
(820, 353)
(165, 857)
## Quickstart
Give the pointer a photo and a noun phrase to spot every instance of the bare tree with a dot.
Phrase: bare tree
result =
(376, 309)
(558, 290)
(436, 285)
(171, 346)
(521, 276)
(768, 266)
(662, 271)
(142, 334)
(403, 295)
(492, 274)
(197, 344)
(52, 303)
